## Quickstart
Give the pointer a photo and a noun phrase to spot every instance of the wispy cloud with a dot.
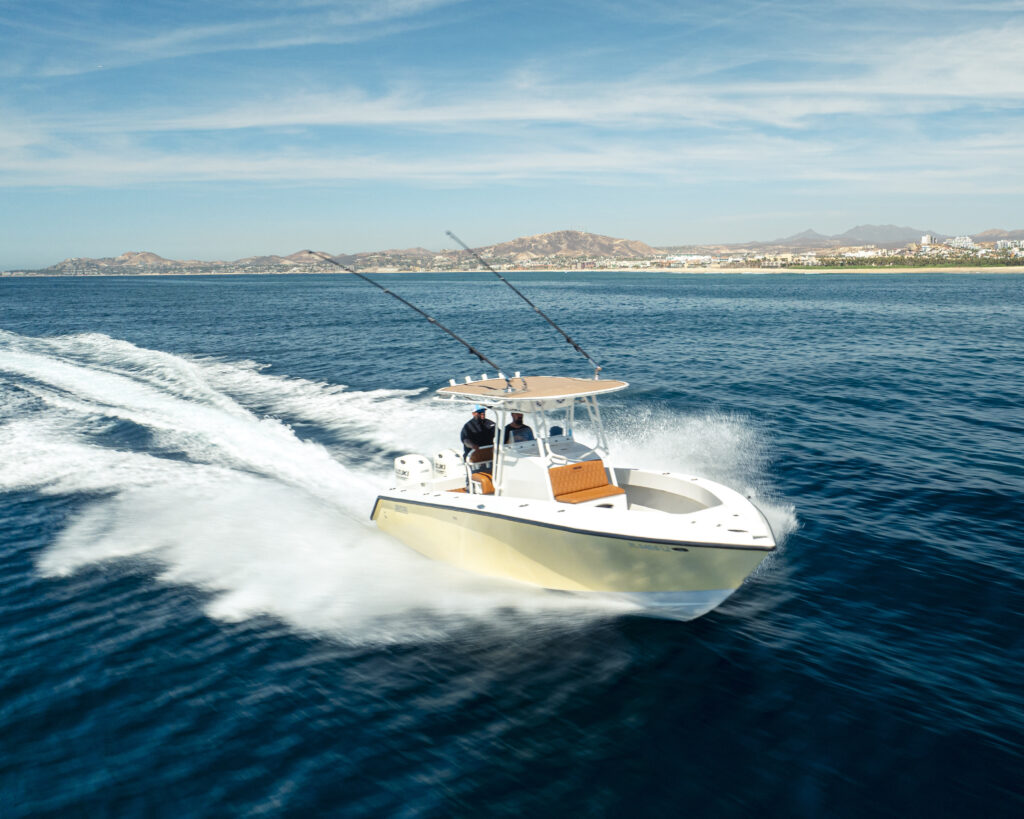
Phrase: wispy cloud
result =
(940, 166)
(928, 75)
(281, 28)
(78, 44)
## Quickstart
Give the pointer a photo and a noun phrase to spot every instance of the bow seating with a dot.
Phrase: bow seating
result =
(582, 482)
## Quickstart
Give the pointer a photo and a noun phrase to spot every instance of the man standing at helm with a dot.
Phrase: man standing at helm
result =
(477, 432)
(517, 431)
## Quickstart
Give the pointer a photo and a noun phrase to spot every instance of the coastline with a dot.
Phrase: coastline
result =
(870, 270)
(750, 271)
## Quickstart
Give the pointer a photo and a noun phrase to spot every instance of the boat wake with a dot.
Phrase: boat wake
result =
(256, 488)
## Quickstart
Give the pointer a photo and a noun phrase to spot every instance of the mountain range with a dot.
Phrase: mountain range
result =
(562, 243)
(570, 243)
(559, 245)
(890, 236)
(879, 235)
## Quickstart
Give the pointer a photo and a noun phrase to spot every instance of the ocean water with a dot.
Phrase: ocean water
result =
(197, 617)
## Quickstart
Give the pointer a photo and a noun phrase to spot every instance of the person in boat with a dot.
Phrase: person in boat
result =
(517, 431)
(478, 431)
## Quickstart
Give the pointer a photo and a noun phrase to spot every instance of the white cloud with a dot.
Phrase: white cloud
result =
(949, 166)
(327, 22)
(943, 73)
(859, 122)
(77, 45)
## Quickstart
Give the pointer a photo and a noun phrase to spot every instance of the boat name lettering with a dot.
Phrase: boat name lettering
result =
(651, 546)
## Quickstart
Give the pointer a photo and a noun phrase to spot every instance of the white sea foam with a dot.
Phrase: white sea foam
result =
(224, 496)
(726, 448)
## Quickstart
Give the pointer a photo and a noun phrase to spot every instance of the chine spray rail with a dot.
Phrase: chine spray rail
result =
(427, 316)
(541, 313)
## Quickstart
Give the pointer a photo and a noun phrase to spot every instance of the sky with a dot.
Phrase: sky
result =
(201, 130)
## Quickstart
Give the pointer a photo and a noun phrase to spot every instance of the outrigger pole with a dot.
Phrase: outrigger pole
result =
(575, 346)
(427, 316)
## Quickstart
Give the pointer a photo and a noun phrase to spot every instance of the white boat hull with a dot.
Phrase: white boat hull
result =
(677, 565)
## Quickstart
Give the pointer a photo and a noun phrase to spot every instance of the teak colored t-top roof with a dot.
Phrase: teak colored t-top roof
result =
(535, 388)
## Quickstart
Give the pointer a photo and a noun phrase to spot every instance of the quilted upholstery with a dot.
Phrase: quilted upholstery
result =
(576, 483)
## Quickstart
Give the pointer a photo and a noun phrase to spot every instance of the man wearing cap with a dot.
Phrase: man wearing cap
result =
(477, 432)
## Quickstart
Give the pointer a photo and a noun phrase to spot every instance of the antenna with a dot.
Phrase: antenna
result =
(575, 346)
(427, 316)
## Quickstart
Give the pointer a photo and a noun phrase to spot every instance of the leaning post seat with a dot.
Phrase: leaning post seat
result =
(585, 481)
(486, 485)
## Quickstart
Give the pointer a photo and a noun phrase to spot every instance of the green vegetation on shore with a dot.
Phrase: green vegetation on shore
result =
(882, 262)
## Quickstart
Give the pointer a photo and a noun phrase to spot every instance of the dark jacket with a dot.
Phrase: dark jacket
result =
(477, 432)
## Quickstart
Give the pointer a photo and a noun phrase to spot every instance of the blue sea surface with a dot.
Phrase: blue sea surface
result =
(197, 617)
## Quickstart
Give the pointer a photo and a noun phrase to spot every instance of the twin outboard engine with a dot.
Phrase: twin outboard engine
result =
(413, 470)
(447, 471)
(449, 464)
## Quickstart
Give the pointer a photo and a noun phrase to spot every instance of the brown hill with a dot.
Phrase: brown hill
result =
(570, 243)
(130, 260)
(995, 234)
(417, 254)
(139, 259)
(411, 251)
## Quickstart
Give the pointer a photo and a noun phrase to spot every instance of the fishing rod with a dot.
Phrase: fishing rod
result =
(575, 346)
(427, 316)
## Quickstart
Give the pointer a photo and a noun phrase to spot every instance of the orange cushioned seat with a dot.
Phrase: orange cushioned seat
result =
(585, 481)
(486, 485)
